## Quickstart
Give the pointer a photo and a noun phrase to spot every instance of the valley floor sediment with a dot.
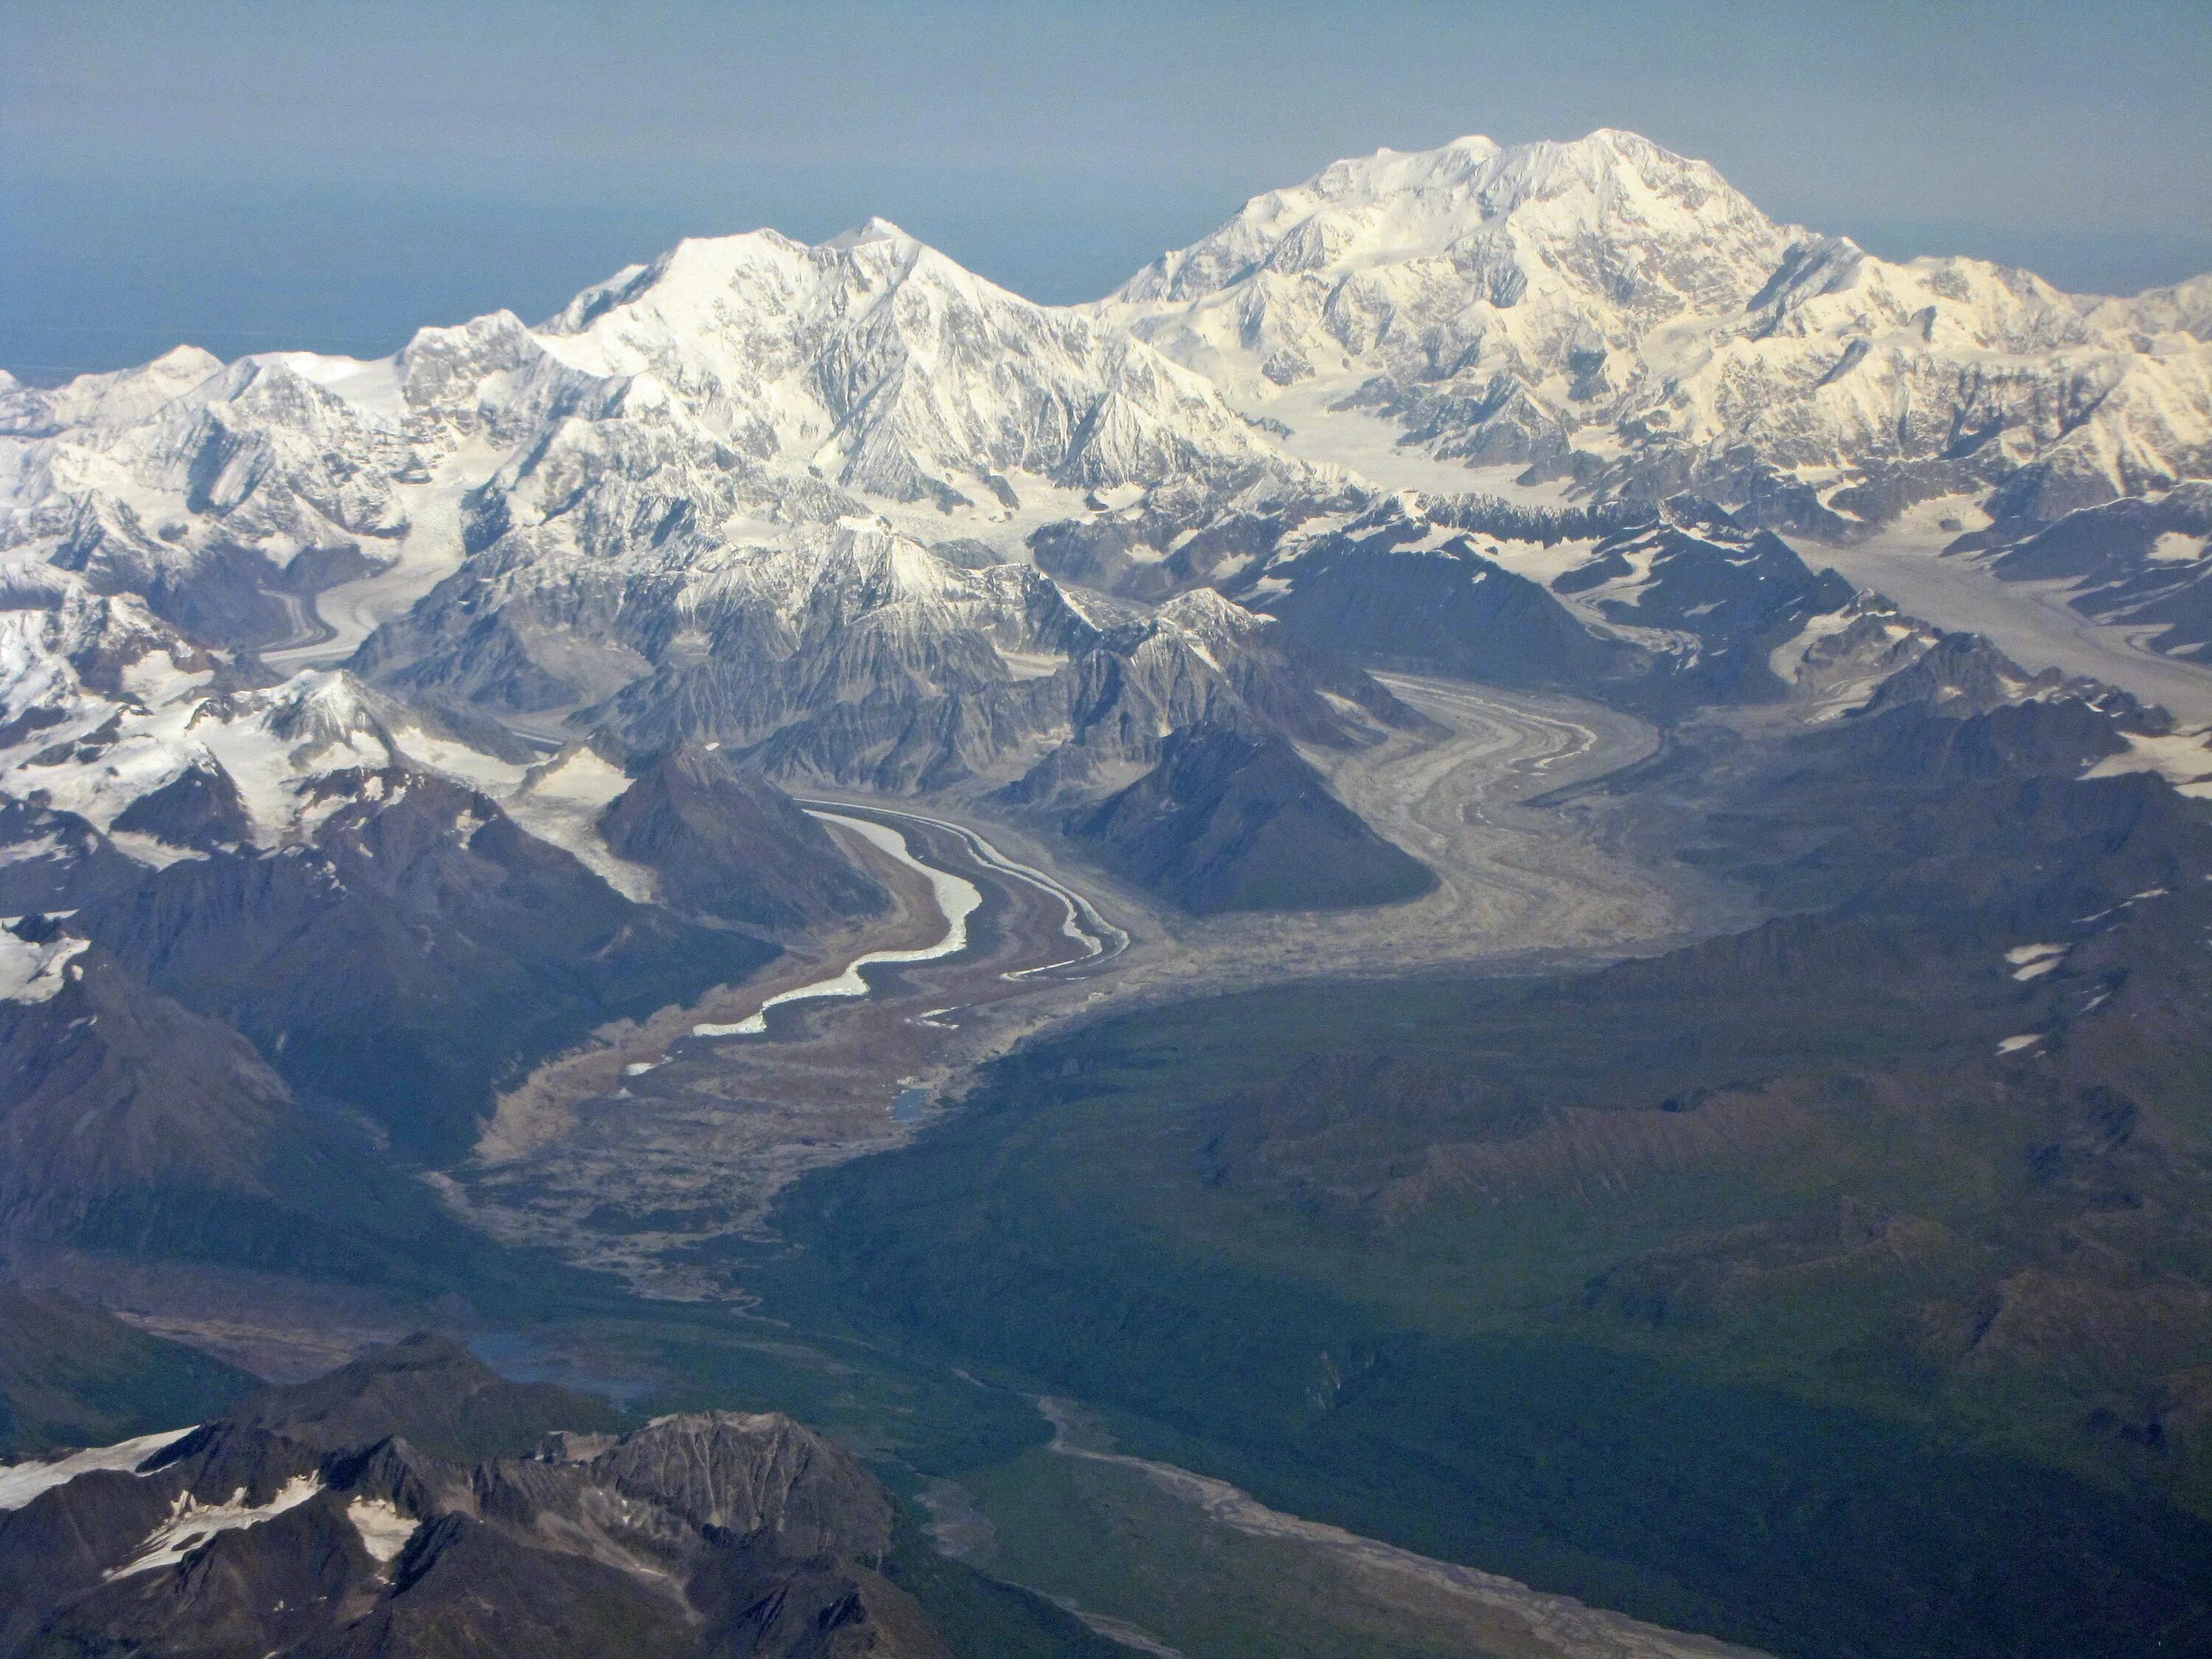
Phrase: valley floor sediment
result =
(662, 1135)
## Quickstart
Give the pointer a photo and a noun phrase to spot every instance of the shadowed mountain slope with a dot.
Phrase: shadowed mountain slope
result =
(311, 1520)
(729, 844)
(72, 1376)
(1228, 822)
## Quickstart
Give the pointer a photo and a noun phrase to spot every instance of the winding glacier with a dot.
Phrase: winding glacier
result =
(1099, 937)
(957, 898)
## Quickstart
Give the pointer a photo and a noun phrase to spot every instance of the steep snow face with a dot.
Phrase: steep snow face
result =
(1607, 312)
(1606, 215)
(155, 467)
(877, 361)
(33, 973)
(20, 1482)
(190, 1524)
(747, 379)
(102, 706)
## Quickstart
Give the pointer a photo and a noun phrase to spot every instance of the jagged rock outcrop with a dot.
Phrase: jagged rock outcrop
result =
(313, 1520)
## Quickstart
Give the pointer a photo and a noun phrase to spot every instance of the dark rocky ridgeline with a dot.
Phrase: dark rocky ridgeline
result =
(1961, 675)
(200, 808)
(421, 947)
(134, 1129)
(1394, 588)
(1736, 592)
(1183, 535)
(2140, 560)
(2111, 541)
(55, 860)
(432, 1392)
(729, 844)
(1364, 592)
(2056, 738)
(1152, 555)
(313, 1520)
(73, 1376)
(1228, 821)
(1257, 677)
(1953, 796)
(108, 1087)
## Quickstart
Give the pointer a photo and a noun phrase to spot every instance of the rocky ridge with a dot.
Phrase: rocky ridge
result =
(319, 1520)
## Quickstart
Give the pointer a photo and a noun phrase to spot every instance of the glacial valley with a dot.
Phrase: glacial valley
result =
(1474, 924)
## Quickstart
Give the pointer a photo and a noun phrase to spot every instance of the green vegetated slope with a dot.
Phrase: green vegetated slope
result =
(72, 1376)
(1751, 1290)
(1121, 1545)
(1476, 1380)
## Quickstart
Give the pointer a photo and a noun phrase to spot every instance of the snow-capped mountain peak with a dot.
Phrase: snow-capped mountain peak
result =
(874, 228)
(1397, 206)
(876, 360)
(1607, 312)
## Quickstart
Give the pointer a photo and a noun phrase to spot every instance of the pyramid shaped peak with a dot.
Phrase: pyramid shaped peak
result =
(874, 228)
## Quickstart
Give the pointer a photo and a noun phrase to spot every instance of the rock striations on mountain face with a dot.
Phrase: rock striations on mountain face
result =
(314, 1521)
(1230, 822)
(729, 844)
(665, 510)
(109, 1088)
(1607, 312)
(853, 655)
(862, 518)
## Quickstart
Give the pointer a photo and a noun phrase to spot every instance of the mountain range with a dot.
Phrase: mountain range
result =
(415, 1503)
(378, 737)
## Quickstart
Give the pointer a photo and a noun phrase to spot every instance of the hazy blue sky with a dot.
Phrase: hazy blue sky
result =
(330, 173)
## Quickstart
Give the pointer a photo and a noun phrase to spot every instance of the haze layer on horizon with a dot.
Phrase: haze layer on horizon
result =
(330, 175)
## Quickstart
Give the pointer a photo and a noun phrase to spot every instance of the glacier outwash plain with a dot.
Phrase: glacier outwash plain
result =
(853, 518)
